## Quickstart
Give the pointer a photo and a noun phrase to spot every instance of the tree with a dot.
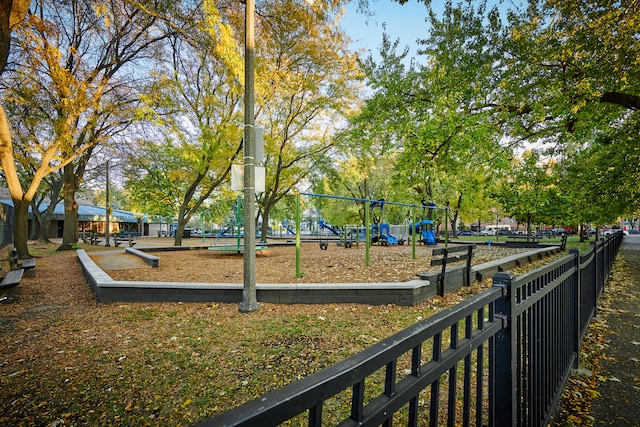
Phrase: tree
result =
(528, 195)
(50, 196)
(75, 56)
(440, 116)
(566, 69)
(195, 104)
(11, 14)
(305, 86)
(601, 178)
(356, 177)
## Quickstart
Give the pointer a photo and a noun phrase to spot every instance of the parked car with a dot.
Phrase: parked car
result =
(633, 231)
(504, 233)
(466, 233)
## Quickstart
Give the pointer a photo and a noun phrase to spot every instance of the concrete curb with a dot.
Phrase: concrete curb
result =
(408, 293)
(108, 290)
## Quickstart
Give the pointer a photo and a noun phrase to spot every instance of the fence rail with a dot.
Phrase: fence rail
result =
(499, 358)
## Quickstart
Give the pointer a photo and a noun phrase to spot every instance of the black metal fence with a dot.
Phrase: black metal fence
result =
(500, 358)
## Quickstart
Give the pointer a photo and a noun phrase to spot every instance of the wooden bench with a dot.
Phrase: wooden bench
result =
(16, 264)
(13, 259)
(460, 253)
(17, 269)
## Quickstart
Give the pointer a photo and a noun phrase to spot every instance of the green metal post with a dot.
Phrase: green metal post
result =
(367, 233)
(413, 233)
(298, 273)
(238, 222)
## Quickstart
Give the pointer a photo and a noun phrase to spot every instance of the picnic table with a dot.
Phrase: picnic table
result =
(119, 238)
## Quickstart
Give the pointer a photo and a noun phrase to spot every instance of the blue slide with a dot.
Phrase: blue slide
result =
(328, 227)
(384, 235)
(429, 238)
(224, 232)
(286, 226)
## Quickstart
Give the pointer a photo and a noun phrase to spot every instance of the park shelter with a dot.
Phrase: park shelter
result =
(90, 218)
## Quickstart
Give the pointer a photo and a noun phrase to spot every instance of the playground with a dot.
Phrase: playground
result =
(277, 264)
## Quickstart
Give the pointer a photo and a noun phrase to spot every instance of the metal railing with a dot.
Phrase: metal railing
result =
(499, 358)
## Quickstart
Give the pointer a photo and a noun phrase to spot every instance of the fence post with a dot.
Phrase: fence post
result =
(443, 271)
(576, 307)
(598, 267)
(503, 394)
(467, 274)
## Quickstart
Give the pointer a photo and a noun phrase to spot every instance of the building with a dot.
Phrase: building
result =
(90, 218)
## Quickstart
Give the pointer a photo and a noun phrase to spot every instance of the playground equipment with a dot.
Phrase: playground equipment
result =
(285, 225)
(232, 228)
(424, 229)
(380, 232)
(367, 228)
(326, 226)
(346, 238)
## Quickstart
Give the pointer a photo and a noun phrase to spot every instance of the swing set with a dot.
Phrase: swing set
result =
(382, 233)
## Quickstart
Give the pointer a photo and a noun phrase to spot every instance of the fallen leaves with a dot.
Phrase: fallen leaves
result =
(82, 363)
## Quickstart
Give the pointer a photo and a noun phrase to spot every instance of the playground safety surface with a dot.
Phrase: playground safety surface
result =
(277, 264)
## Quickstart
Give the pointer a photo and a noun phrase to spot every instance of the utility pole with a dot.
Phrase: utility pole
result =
(249, 299)
(107, 210)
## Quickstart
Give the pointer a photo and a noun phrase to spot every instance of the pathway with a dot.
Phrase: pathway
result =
(619, 378)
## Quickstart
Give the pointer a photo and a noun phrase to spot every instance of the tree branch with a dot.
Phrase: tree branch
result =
(631, 102)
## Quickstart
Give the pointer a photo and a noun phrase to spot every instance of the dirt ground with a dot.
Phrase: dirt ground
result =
(277, 264)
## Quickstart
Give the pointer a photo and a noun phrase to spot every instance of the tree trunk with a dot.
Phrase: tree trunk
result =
(584, 234)
(265, 222)
(454, 222)
(43, 221)
(21, 230)
(44, 218)
(45, 225)
(33, 232)
(70, 230)
(264, 228)
(177, 238)
(20, 200)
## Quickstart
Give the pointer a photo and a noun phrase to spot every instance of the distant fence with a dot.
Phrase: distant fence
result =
(501, 358)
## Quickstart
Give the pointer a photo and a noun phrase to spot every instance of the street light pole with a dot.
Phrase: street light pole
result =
(249, 299)
(107, 211)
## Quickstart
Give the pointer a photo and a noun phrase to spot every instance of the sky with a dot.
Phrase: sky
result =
(403, 22)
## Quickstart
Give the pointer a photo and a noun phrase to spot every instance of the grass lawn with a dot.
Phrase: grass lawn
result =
(67, 360)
